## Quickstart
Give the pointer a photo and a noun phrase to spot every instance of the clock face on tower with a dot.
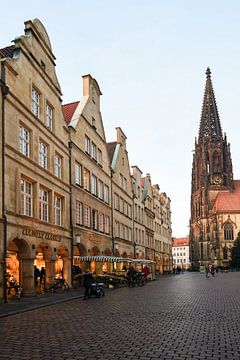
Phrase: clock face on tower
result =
(217, 180)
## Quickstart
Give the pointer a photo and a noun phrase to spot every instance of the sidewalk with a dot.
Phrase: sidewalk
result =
(38, 301)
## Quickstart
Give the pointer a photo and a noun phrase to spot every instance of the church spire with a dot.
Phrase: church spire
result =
(210, 127)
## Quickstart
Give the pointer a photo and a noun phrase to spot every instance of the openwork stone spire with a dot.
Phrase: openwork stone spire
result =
(210, 127)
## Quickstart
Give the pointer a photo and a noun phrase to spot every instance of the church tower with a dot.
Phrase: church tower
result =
(211, 174)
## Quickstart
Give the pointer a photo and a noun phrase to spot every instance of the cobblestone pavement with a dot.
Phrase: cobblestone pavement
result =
(176, 317)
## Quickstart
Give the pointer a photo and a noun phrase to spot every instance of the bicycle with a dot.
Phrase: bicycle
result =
(59, 286)
(14, 291)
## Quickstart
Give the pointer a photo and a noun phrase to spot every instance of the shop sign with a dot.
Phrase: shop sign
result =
(41, 234)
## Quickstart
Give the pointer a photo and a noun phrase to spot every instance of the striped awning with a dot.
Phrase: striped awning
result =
(102, 258)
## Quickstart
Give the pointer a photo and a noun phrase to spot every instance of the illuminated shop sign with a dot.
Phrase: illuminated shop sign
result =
(41, 234)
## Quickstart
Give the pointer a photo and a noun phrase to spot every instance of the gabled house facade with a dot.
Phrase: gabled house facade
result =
(35, 227)
(122, 197)
(90, 176)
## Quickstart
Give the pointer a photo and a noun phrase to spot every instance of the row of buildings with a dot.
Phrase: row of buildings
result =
(65, 191)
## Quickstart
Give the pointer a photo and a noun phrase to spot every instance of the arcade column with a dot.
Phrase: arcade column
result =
(27, 276)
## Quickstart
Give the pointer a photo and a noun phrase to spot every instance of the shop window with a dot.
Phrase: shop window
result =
(26, 198)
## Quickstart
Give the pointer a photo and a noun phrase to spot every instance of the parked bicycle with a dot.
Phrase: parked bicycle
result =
(14, 290)
(59, 286)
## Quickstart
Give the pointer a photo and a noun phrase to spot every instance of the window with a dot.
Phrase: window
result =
(106, 194)
(94, 185)
(26, 198)
(100, 189)
(43, 154)
(101, 222)
(49, 116)
(95, 219)
(107, 222)
(58, 166)
(126, 232)
(228, 232)
(121, 181)
(78, 174)
(58, 210)
(116, 202)
(124, 184)
(87, 144)
(94, 152)
(87, 216)
(93, 123)
(79, 213)
(35, 102)
(86, 179)
(24, 138)
(99, 157)
(43, 205)
(121, 205)
(116, 228)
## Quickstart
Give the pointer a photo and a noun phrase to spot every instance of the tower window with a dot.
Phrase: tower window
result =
(228, 232)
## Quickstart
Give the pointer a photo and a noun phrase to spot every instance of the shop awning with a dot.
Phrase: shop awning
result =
(103, 258)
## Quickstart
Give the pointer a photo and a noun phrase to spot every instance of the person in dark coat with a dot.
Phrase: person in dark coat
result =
(87, 282)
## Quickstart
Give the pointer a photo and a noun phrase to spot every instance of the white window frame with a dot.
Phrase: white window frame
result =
(100, 189)
(58, 210)
(78, 174)
(58, 166)
(49, 116)
(95, 219)
(79, 213)
(43, 205)
(86, 179)
(107, 224)
(87, 216)
(26, 198)
(35, 102)
(43, 154)
(100, 157)
(94, 151)
(94, 184)
(24, 141)
(87, 145)
(106, 194)
(101, 222)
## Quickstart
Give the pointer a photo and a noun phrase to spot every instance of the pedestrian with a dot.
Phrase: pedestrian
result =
(87, 283)
(131, 276)
(42, 276)
(207, 271)
(212, 270)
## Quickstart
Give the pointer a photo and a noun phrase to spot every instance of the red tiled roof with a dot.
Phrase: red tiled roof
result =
(68, 110)
(181, 241)
(111, 148)
(229, 201)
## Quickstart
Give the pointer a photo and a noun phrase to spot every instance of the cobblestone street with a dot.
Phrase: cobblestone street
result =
(176, 317)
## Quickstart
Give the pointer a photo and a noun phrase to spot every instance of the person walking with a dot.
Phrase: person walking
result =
(207, 271)
(87, 282)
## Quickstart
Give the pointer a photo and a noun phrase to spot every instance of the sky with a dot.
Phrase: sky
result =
(149, 58)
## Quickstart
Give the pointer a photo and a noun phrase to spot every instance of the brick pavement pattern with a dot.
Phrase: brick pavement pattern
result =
(177, 317)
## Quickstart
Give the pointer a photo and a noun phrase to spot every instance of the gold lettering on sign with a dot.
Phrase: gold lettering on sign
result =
(41, 234)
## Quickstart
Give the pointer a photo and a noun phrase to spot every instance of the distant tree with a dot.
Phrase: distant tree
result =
(236, 253)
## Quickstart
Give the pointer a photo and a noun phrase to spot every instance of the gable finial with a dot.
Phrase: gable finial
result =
(208, 73)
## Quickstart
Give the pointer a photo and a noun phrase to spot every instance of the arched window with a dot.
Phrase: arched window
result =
(228, 231)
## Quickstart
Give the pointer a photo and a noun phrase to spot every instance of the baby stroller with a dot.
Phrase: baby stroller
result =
(97, 289)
